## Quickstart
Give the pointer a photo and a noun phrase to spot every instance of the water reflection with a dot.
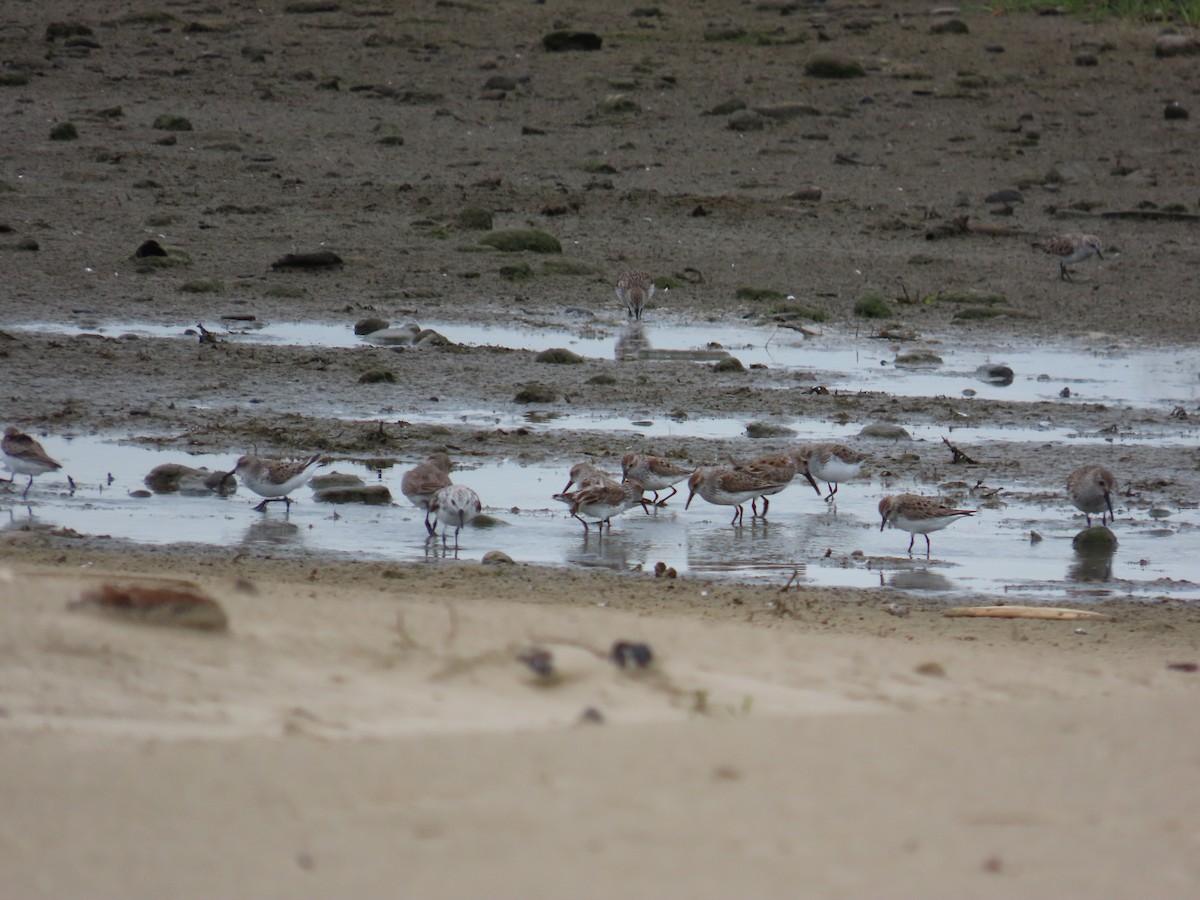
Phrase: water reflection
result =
(920, 580)
(631, 341)
(277, 532)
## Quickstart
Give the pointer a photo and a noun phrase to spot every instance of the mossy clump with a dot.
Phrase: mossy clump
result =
(799, 310)
(13, 79)
(759, 295)
(391, 140)
(170, 122)
(559, 355)
(597, 167)
(1095, 540)
(872, 306)
(519, 271)
(603, 379)
(982, 298)
(669, 283)
(536, 392)
(618, 104)
(828, 66)
(64, 131)
(732, 364)
(515, 240)
(760, 430)
(203, 286)
(285, 292)
(474, 218)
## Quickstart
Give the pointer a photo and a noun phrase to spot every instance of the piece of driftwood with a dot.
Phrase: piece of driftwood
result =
(1029, 612)
(959, 455)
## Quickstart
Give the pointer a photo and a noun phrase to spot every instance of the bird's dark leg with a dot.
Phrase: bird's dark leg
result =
(928, 547)
(1063, 275)
(27, 487)
(429, 528)
(738, 512)
(911, 538)
(753, 508)
(663, 501)
(582, 520)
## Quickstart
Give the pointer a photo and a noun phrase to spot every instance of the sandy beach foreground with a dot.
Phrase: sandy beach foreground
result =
(368, 730)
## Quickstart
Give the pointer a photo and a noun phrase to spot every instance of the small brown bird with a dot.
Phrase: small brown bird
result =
(654, 473)
(275, 479)
(829, 462)
(778, 471)
(1091, 488)
(1070, 249)
(727, 487)
(918, 515)
(24, 456)
(421, 483)
(601, 502)
(635, 289)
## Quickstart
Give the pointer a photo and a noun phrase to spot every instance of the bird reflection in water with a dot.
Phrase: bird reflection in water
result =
(277, 532)
(631, 342)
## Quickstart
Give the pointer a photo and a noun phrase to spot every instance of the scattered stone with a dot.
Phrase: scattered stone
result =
(370, 325)
(872, 306)
(378, 376)
(64, 131)
(885, 431)
(828, 66)
(170, 478)
(1159, 512)
(1007, 195)
(746, 121)
(176, 607)
(335, 479)
(27, 243)
(368, 494)
(540, 661)
(784, 111)
(203, 286)
(307, 7)
(149, 248)
(949, 26)
(401, 336)
(1166, 45)
(995, 374)
(13, 79)
(591, 716)
(169, 122)
(518, 239)
(430, 338)
(497, 558)
(976, 313)
(319, 259)
(732, 364)
(615, 104)
(559, 355)
(727, 108)
(759, 430)
(931, 669)
(500, 83)
(562, 41)
(1175, 110)
(807, 194)
(1087, 59)
(535, 392)
(603, 379)
(897, 609)
(56, 30)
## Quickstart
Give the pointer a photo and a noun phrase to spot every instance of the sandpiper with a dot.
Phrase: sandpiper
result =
(421, 483)
(1070, 249)
(274, 479)
(918, 515)
(23, 455)
(635, 289)
(1091, 488)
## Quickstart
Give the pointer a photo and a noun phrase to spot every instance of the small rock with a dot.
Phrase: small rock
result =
(368, 494)
(1096, 540)
(808, 194)
(1166, 45)
(631, 655)
(535, 392)
(931, 669)
(559, 355)
(370, 325)
(591, 716)
(828, 66)
(168, 122)
(733, 364)
(1065, 393)
(1175, 110)
(746, 121)
(872, 306)
(497, 558)
(917, 359)
(618, 103)
(378, 376)
(64, 131)
(759, 430)
(885, 431)
(430, 338)
(1006, 195)
(394, 337)
(539, 661)
(149, 248)
(500, 83)
(1087, 59)
(897, 609)
(169, 478)
(320, 259)
(995, 374)
(949, 26)
(178, 607)
(562, 41)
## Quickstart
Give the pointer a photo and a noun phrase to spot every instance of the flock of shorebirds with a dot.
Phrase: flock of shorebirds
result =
(600, 496)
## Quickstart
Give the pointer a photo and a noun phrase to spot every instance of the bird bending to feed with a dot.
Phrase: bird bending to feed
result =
(421, 483)
(918, 515)
(274, 479)
(778, 471)
(829, 462)
(601, 502)
(727, 487)
(1070, 249)
(585, 474)
(635, 289)
(1091, 488)
(455, 505)
(23, 455)
(654, 473)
